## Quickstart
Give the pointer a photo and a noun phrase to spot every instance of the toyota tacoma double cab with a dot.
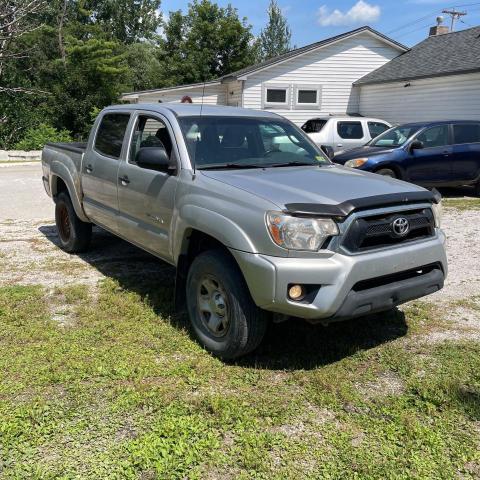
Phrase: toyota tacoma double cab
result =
(258, 222)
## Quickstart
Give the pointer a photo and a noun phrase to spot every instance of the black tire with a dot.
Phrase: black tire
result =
(386, 172)
(74, 235)
(245, 322)
(477, 189)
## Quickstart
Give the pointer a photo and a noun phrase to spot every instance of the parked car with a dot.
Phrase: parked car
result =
(343, 133)
(252, 224)
(429, 154)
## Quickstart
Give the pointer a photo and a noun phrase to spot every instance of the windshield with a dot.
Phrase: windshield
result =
(241, 142)
(395, 137)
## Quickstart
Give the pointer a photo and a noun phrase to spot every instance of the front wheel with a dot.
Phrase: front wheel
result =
(224, 317)
(386, 172)
(74, 234)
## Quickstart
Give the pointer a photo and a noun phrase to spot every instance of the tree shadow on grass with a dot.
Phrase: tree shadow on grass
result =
(294, 344)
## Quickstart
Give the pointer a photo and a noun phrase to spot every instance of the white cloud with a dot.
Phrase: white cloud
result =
(361, 12)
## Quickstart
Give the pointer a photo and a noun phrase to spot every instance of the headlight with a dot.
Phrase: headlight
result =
(356, 162)
(437, 213)
(299, 233)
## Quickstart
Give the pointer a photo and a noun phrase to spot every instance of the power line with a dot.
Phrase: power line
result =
(433, 12)
(455, 15)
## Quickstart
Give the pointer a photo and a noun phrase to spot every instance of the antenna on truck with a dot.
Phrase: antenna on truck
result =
(201, 109)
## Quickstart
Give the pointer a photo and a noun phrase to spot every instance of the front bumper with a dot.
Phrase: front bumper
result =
(268, 279)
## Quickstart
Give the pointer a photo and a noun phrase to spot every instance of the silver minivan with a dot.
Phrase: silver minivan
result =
(342, 133)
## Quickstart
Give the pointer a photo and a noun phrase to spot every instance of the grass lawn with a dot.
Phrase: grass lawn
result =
(462, 203)
(114, 387)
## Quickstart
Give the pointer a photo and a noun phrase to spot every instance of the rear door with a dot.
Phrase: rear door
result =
(146, 197)
(100, 167)
(431, 164)
(465, 164)
(349, 134)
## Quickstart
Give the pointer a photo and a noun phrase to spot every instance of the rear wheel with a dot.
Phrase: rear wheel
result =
(74, 234)
(386, 172)
(224, 317)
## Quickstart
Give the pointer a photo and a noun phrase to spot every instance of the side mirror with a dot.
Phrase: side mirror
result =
(416, 145)
(329, 152)
(153, 158)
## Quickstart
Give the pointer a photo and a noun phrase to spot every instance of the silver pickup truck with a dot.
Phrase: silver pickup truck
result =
(258, 222)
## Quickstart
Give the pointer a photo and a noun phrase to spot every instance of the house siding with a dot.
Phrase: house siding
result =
(214, 95)
(455, 97)
(334, 68)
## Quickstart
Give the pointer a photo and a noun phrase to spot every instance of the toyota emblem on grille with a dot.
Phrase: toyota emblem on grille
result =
(400, 226)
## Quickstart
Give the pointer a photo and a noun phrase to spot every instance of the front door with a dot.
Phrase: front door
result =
(431, 164)
(145, 196)
(100, 167)
(465, 164)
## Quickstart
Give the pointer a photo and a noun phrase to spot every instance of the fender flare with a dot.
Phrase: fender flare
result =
(211, 223)
(59, 171)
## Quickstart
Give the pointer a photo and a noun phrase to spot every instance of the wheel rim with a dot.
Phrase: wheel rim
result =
(212, 306)
(64, 223)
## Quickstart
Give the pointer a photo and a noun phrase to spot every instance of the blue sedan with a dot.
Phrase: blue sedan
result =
(433, 154)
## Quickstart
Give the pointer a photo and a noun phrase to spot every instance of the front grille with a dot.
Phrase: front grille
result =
(396, 277)
(378, 231)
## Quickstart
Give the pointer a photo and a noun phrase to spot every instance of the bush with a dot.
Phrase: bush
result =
(36, 137)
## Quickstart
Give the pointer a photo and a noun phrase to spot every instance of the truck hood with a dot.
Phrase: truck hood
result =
(331, 184)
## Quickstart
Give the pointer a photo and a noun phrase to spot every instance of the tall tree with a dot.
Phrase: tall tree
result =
(276, 36)
(128, 21)
(17, 19)
(208, 42)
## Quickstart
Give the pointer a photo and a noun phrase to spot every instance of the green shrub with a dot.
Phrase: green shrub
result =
(36, 137)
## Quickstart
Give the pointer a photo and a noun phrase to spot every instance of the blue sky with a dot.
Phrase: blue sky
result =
(404, 20)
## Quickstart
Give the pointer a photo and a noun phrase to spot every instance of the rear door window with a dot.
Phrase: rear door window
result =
(434, 137)
(376, 128)
(313, 126)
(110, 134)
(466, 133)
(350, 130)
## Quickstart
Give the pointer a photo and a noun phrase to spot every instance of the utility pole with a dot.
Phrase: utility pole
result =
(455, 15)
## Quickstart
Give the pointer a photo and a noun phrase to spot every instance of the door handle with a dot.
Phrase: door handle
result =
(339, 144)
(89, 168)
(124, 180)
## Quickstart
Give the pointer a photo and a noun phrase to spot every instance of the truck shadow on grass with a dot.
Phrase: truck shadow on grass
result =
(293, 344)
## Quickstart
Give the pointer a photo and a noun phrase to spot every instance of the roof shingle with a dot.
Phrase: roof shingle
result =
(448, 54)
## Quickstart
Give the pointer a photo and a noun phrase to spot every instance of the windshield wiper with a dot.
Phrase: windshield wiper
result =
(290, 164)
(218, 166)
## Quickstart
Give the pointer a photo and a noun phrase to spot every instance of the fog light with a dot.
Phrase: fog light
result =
(296, 292)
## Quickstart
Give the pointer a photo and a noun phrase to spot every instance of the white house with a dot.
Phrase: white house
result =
(437, 79)
(309, 81)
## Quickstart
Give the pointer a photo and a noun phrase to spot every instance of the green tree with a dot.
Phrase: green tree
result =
(276, 36)
(208, 42)
(128, 21)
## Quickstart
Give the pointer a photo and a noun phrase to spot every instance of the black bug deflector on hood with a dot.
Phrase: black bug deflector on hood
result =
(345, 208)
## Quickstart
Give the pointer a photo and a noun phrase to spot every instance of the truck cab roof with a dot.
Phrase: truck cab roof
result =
(192, 110)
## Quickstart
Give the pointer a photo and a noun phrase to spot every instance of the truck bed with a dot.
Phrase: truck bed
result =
(77, 147)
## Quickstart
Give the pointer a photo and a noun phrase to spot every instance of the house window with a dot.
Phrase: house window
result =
(307, 96)
(276, 96)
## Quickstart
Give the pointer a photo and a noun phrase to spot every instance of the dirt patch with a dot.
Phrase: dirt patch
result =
(387, 383)
(30, 254)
